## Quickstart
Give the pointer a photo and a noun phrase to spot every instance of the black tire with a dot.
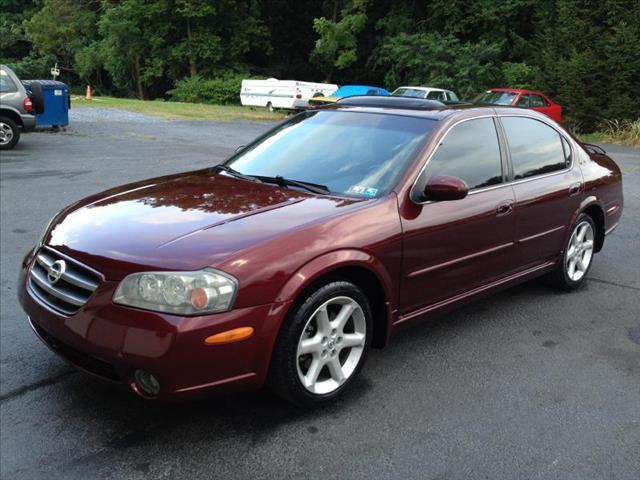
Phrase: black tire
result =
(284, 370)
(37, 97)
(8, 128)
(270, 107)
(561, 276)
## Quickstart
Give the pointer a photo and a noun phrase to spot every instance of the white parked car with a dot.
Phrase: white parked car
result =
(426, 92)
(287, 94)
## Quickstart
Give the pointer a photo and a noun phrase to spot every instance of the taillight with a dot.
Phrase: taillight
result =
(27, 104)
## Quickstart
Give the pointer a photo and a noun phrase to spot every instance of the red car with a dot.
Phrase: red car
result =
(517, 97)
(285, 264)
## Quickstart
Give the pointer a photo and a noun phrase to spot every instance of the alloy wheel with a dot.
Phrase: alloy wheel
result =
(579, 251)
(331, 345)
(6, 133)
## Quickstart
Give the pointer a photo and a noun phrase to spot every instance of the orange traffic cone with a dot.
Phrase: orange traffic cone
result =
(88, 96)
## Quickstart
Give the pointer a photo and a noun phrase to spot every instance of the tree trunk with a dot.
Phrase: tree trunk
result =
(136, 74)
(193, 69)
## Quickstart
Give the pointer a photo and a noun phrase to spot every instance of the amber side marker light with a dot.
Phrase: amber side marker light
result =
(229, 336)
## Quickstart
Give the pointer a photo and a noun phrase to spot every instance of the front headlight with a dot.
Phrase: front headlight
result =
(183, 293)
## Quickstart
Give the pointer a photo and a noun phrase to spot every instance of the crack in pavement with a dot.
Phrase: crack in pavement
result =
(615, 284)
(34, 386)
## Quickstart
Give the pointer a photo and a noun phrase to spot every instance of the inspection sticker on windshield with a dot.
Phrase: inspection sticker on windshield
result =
(360, 190)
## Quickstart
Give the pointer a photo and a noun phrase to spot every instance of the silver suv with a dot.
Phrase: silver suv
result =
(17, 107)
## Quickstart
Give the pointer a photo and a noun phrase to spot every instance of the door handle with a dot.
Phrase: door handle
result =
(575, 189)
(505, 208)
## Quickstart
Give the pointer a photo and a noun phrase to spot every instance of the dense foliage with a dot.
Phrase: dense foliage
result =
(584, 54)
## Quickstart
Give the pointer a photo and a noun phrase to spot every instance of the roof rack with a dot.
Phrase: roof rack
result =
(391, 102)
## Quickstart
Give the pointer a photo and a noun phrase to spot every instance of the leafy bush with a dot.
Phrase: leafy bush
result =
(223, 90)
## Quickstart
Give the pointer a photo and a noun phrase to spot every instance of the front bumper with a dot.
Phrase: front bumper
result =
(112, 341)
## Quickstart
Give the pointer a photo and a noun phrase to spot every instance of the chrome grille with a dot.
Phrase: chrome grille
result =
(61, 283)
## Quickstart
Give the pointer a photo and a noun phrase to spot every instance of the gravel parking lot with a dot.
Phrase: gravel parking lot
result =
(527, 384)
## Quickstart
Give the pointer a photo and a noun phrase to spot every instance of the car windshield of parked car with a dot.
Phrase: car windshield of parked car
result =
(409, 92)
(496, 98)
(351, 153)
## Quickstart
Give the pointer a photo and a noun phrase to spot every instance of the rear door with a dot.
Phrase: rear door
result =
(547, 186)
(454, 246)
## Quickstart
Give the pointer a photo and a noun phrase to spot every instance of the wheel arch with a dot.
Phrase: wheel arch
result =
(596, 213)
(12, 114)
(593, 207)
(356, 266)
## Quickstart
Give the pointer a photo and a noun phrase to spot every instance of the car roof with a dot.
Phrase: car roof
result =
(516, 90)
(422, 108)
(425, 89)
(358, 88)
(408, 106)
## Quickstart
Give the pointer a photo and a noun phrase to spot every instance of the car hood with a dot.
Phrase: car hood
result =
(186, 221)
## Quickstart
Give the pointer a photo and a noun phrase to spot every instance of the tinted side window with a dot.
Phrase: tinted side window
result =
(535, 147)
(538, 101)
(469, 151)
(523, 101)
(435, 95)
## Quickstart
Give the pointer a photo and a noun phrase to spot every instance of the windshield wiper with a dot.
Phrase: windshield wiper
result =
(237, 174)
(287, 182)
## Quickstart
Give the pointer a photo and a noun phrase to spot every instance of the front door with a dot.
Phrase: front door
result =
(451, 247)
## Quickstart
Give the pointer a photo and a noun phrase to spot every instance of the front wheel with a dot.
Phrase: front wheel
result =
(322, 344)
(578, 255)
(9, 133)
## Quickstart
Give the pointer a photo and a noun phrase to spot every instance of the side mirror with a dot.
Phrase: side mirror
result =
(239, 149)
(445, 187)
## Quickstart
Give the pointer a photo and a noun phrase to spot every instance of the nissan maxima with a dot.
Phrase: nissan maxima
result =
(285, 264)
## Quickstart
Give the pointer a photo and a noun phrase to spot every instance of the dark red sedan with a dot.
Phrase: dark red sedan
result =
(285, 264)
(517, 97)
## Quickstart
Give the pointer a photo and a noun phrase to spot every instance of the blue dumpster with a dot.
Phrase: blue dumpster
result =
(57, 103)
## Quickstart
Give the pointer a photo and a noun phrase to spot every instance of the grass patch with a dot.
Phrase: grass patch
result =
(623, 132)
(179, 110)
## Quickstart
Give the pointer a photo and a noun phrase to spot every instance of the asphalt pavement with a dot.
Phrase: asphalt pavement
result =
(529, 383)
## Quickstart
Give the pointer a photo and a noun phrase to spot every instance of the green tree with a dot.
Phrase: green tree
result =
(438, 61)
(133, 45)
(60, 28)
(337, 44)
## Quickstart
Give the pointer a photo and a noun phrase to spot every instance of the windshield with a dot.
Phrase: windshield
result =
(409, 92)
(496, 98)
(353, 154)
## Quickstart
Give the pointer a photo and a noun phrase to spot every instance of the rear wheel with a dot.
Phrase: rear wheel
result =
(322, 344)
(578, 255)
(9, 133)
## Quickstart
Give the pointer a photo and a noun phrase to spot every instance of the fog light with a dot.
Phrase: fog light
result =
(147, 382)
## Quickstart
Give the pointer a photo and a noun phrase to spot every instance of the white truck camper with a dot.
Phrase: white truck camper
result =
(286, 94)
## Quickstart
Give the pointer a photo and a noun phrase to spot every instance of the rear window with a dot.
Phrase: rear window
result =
(6, 84)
